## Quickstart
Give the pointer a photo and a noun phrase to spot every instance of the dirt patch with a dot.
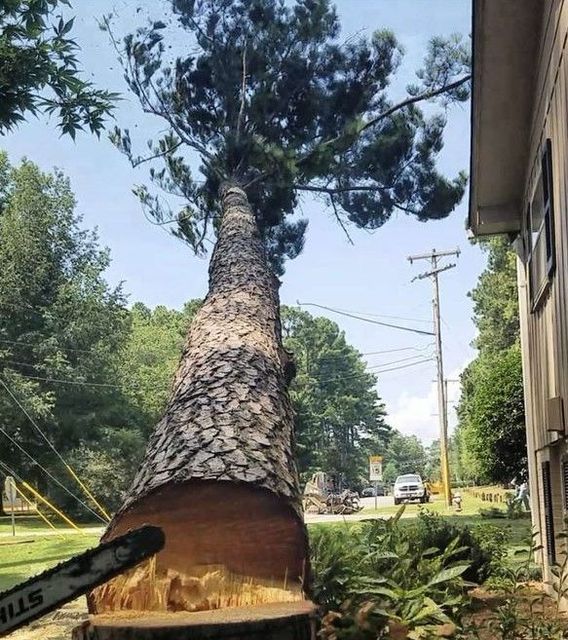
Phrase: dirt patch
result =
(527, 606)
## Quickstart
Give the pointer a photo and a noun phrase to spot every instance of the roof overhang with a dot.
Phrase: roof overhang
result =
(505, 53)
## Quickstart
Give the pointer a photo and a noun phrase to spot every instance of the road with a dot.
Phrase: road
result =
(367, 503)
(382, 501)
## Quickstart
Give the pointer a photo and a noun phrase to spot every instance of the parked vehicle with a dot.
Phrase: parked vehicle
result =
(369, 492)
(410, 487)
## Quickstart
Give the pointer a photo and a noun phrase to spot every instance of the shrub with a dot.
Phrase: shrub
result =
(337, 563)
(106, 468)
(483, 547)
(374, 578)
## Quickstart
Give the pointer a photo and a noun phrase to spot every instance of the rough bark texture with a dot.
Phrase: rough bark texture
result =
(229, 417)
(229, 422)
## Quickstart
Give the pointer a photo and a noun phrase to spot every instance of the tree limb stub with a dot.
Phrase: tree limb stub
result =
(219, 474)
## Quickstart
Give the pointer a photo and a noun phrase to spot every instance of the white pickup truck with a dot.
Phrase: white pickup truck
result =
(410, 487)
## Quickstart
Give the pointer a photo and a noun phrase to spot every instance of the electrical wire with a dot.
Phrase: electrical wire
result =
(383, 315)
(51, 476)
(369, 372)
(10, 471)
(77, 382)
(377, 322)
(32, 344)
(373, 353)
(54, 449)
(405, 366)
(318, 359)
(388, 364)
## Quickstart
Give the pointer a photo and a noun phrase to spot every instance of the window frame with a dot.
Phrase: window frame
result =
(545, 174)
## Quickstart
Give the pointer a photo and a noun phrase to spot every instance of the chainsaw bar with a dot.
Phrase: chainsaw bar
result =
(74, 577)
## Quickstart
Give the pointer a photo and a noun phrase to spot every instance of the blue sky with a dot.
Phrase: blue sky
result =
(371, 277)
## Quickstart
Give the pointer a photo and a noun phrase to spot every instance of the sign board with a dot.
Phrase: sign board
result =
(10, 489)
(375, 468)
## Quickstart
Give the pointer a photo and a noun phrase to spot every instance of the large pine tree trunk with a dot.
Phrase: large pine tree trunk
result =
(219, 474)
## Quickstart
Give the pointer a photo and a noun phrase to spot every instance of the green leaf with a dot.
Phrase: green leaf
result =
(446, 575)
(68, 26)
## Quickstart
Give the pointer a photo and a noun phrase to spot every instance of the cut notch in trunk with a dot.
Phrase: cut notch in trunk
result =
(227, 545)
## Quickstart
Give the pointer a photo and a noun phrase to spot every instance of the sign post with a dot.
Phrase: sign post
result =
(376, 473)
(11, 494)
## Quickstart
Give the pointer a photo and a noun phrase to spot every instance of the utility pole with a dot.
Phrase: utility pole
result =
(434, 257)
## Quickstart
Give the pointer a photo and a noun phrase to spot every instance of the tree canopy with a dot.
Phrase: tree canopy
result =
(269, 95)
(61, 325)
(39, 69)
(340, 419)
(491, 429)
(150, 356)
(404, 454)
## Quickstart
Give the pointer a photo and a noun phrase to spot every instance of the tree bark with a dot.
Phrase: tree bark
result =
(219, 474)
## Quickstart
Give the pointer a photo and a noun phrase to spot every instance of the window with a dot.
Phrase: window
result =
(548, 513)
(540, 230)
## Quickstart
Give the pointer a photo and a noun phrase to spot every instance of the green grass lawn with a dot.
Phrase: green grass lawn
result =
(470, 506)
(33, 524)
(519, 530)
(33, 549)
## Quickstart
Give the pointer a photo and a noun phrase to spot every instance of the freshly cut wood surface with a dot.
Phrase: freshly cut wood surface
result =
(285, 621)
(228, 616)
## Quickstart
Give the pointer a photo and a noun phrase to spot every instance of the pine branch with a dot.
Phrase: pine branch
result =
(426, 95)
(339, 220)
(139, 161)
(336, 190)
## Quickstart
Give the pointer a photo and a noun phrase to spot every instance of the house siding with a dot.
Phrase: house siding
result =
(544, 330)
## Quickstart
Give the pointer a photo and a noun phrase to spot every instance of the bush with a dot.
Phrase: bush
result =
(483, 546)
(381, 578)
(377, 576)
(106, 468)
(337, 563)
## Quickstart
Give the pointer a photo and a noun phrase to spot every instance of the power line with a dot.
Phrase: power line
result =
(374, 353)
(368, 372)
(337, 356)
(382, 315)
(52, 477)
(76, 382)
(377, 322)
(53, 448)
(10, 471)
(32, 344)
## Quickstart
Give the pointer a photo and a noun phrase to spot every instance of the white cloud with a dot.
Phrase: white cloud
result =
(418, 414)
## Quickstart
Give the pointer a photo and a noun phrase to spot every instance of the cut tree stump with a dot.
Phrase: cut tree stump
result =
(219, 474)
(282, 621)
